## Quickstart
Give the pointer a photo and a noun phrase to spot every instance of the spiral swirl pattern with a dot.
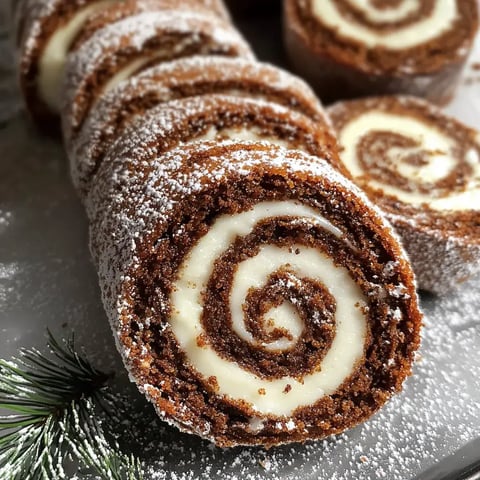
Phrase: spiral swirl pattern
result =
(406, 155)
(268, 395)
(423, 169)
(251, 306)
(396, 25)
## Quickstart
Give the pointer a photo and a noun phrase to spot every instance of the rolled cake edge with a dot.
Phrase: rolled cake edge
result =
(164, 408)
(441, 263)
(93, 144)
(188, 119)
(114, 14)
(236, 69)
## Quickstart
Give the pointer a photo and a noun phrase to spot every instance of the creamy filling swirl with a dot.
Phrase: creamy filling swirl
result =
(411, 160)
(394, 25)
(279, 396)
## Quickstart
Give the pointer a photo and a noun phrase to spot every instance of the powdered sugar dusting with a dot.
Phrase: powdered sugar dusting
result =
(134, 200)
(34, 14)
(177, 79)
(131, 36)
(8, 272)
(436, 414)
(6, 217)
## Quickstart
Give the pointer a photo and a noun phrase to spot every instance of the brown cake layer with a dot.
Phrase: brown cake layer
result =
(443, 245)
(221, 117)
(153, 210)
(341, 66)
(128, 8)
(151, 36)
(199, 75)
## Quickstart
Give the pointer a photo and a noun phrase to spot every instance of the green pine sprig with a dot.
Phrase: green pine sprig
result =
(54, 404)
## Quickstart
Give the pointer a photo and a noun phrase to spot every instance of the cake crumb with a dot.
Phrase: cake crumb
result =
(266, 464)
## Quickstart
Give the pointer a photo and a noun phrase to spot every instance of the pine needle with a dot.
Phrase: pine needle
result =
(54, 404)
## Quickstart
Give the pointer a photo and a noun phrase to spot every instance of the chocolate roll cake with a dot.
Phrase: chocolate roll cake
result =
(255, 294)
(122, 49)
(181, 79)
(353, 48)
(423, 169)
(46, 30)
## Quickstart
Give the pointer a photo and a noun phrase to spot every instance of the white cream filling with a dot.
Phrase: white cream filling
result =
(394, 13)
(267, 396)
(51, 65)
(443, 15)
(439, 150)
(252, 134)
(161, 53)
(251, 274)
(139, 63)
(126, 72)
